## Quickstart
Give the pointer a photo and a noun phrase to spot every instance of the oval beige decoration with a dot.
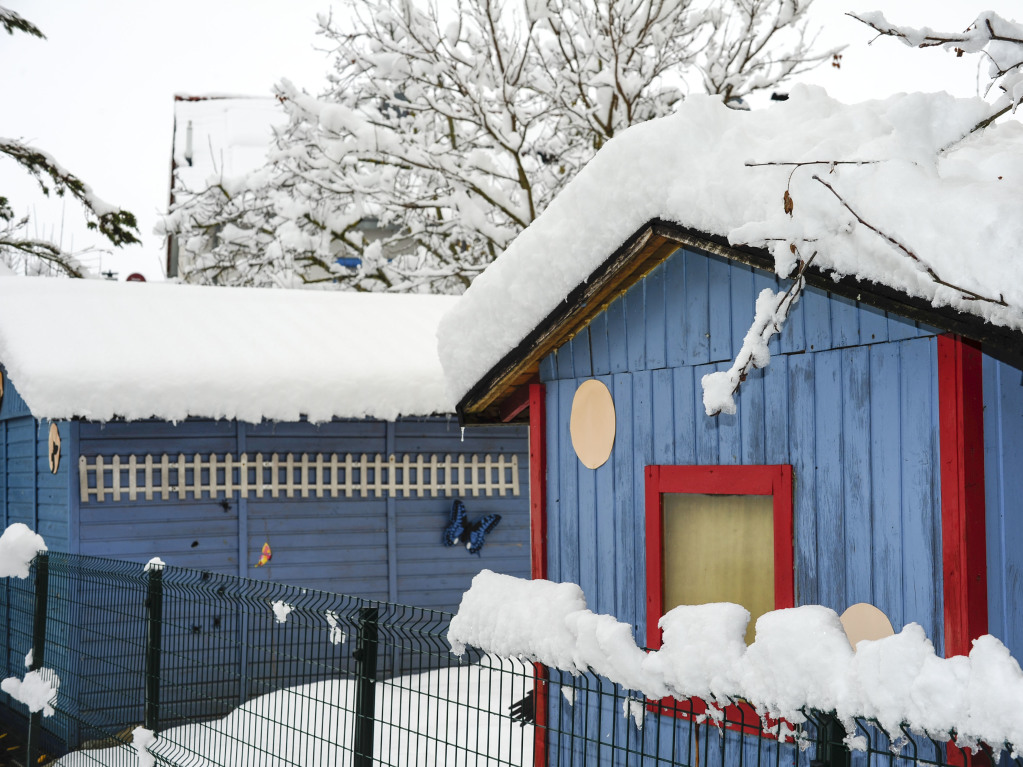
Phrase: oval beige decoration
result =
(54, 448)
(593, 423)
(864, 621)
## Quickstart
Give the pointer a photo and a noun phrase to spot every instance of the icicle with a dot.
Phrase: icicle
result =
(463, 434)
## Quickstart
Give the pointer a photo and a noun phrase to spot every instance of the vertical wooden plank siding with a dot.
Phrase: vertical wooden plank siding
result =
(962, 493)
(886, 481)
(1003, 444)
(858, 425)
(855, 469)
(829, 506)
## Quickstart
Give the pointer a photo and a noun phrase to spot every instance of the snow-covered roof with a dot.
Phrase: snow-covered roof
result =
(97, 350)
(905, 175)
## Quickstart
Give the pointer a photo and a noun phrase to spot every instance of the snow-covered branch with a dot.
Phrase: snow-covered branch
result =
(118, 226)
(13, 22)
(1000, 41)
(445, 132)
(772, 310)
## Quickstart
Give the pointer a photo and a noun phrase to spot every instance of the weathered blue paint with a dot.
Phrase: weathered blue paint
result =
(1003, 446)
(356, 546)
(383, 548)
(849, 399)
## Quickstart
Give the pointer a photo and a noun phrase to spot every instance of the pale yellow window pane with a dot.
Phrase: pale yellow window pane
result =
(719, 548)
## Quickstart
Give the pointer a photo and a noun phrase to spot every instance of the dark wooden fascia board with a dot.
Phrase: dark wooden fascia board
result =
(482, 402)
(648, 247)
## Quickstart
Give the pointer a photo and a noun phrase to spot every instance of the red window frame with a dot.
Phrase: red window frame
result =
(773, 480)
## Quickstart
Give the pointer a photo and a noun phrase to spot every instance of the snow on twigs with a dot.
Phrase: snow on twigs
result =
(18, 547)
(38, 690)
(801, 659)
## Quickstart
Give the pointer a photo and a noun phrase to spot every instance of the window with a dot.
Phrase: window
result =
(718, 534)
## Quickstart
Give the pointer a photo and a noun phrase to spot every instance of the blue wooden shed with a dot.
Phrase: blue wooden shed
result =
(197, 424)
(882, 435)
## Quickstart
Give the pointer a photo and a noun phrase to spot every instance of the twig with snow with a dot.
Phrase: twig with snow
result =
(1001, 46)
(771, 312)
(967, 293)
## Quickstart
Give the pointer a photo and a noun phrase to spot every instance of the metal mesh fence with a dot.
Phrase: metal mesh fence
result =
(228, 671)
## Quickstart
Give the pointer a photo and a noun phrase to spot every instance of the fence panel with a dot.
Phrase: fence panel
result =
(230, 671)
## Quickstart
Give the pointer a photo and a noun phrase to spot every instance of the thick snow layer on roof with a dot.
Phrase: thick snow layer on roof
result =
(98, 349)
(958, 210)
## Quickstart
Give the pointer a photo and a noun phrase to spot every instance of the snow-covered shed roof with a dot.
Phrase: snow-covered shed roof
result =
(98, 350)
(896, 200)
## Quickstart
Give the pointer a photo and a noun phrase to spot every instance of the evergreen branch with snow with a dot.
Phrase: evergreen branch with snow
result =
(13, 22)
(118, 226)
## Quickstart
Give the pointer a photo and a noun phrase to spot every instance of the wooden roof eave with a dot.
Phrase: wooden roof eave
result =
(497, 395)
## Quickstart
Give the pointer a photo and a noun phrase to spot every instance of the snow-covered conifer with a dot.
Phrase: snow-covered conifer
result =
(33, 255)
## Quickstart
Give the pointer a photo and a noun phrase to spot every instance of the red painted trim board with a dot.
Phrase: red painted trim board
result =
(538, 549)
(775, 481)
(963, 548)
(537, 481)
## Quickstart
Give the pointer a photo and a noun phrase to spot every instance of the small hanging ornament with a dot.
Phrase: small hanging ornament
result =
(54, 451)
(265, 556)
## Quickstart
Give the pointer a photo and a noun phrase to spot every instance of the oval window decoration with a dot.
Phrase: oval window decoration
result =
(592, 424)
(864, 621)
(54, 448)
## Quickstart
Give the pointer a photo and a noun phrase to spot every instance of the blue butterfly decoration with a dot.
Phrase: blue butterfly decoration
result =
(460, 530)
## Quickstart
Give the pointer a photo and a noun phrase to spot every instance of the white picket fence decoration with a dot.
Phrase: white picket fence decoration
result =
(275, 476)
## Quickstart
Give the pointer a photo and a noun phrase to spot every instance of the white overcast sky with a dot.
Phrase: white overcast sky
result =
(98, 92)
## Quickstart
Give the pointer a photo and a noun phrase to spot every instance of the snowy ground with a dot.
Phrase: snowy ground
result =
(429, 718)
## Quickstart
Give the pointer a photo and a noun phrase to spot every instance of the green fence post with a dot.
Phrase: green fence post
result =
(365, 690)
(35, 720)
(151, 716)
(831, 751)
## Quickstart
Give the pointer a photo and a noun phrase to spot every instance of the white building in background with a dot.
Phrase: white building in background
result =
(217, 136)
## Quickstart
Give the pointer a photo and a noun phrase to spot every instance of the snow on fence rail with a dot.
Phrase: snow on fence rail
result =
(164, 477)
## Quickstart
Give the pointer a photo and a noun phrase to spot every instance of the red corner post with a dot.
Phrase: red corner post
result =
(538, 548)
(963, 549)
(964, 553)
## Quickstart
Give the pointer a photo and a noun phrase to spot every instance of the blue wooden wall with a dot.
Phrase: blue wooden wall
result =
(381, 548)
(33, 495)
(1003, 451)
(849, 399)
